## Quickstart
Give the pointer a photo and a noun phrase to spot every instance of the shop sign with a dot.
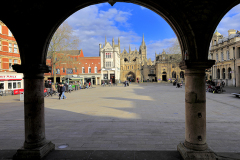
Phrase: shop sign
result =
(10, 77)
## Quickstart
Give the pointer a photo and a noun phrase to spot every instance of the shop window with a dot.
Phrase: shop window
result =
(18, 84)
(15, 48)
(1, 85)
(105, 76)
(89, 70)
(10, 47)
(14, 85)
(83, 70)
(9, 85)
(95, 69)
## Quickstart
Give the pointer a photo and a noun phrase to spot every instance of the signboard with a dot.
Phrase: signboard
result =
(10, 77)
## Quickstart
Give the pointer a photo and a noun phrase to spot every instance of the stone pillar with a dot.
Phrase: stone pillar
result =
(195, 145)
(35, 145)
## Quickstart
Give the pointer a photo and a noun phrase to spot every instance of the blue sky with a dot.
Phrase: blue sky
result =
(129, 21)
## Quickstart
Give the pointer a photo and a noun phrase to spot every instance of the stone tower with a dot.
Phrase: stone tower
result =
(216, 37)
(143, 50)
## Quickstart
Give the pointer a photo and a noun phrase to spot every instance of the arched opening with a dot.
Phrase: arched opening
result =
(11, 83)
(173, 74)
(131, 77)
(229, 73)
(223, 73)
(218, 73)
(178, 31)
(164, 76)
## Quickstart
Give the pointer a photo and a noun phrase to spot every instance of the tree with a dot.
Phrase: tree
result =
(62, 40)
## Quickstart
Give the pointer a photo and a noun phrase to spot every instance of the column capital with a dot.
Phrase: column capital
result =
(188, 64)
(32, 68)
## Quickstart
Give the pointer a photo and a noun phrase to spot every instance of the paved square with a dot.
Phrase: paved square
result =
(147, 116)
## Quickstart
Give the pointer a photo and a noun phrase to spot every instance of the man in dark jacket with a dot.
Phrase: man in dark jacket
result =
(63, 91)
(59, 88)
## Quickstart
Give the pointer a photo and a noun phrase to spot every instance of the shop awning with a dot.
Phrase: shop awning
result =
(75, 79)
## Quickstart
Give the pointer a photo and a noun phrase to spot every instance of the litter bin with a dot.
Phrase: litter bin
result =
(21, 96)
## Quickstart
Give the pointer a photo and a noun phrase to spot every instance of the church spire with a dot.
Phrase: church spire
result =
(143, 42)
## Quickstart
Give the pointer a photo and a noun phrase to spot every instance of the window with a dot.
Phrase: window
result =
(222, 56)
(69, 70)
(128, 67)
(63, 70)
(15, 48)
(89, 70)
(1, 85)
(228, 57)
(75, 69)
(108, 55)
(223, 73)
(10, 64)
(15, 61)
(217, 57)
(57, 71)
(95, 69)
(83, 70)
(132, 67)
(19, 84)
(9, 33)
(105, 76)
(229, 73)
(10, 47)
(108, 64)
(215, 42)
(9, 85)
(152, 71)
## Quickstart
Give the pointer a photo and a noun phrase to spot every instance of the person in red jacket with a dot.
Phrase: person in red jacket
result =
(89, 84)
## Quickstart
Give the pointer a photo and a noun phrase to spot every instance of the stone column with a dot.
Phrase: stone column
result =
(195, 144)
(35, 145)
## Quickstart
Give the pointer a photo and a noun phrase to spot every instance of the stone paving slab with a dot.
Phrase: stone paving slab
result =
(147, 116)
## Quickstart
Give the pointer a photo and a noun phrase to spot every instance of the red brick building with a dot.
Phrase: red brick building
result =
(76, 67)
(9, 55)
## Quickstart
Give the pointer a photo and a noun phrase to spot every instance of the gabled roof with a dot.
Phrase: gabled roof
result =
(81, 53)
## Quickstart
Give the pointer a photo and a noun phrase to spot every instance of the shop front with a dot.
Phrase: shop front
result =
(11, 82)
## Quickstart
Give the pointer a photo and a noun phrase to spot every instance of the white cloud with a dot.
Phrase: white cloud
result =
(159, 46)
(92, 25)
(142, 7)
(230, 21)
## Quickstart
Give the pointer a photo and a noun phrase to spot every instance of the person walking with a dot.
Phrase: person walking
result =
(89, 84)
(59, 88)
(63, 91)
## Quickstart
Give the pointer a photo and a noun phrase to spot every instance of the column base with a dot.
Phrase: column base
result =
(37, 153)
(188, 154)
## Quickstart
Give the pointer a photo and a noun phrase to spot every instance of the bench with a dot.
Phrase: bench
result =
(236, 94)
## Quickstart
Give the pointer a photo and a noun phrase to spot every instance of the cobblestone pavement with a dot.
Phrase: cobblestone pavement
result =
(147, 116)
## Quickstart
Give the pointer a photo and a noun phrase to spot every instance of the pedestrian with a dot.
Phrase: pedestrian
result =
(66, 86)
(63, 91)
(182, 81)
(59, 90)
(89, 84)
(223, 83)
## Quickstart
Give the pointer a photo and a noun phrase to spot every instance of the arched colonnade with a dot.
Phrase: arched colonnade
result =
(194, 23)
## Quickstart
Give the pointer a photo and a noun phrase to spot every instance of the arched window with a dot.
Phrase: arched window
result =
(181, 74)
(218, 73)
(229, 73)
(223, 73)
(173, 74)
(128, 67)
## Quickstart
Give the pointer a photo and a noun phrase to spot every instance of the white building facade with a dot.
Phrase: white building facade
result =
(226, 53)
(110, 61)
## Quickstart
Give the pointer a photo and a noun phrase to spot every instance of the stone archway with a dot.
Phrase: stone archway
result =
(130, 76)
(188, 19)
